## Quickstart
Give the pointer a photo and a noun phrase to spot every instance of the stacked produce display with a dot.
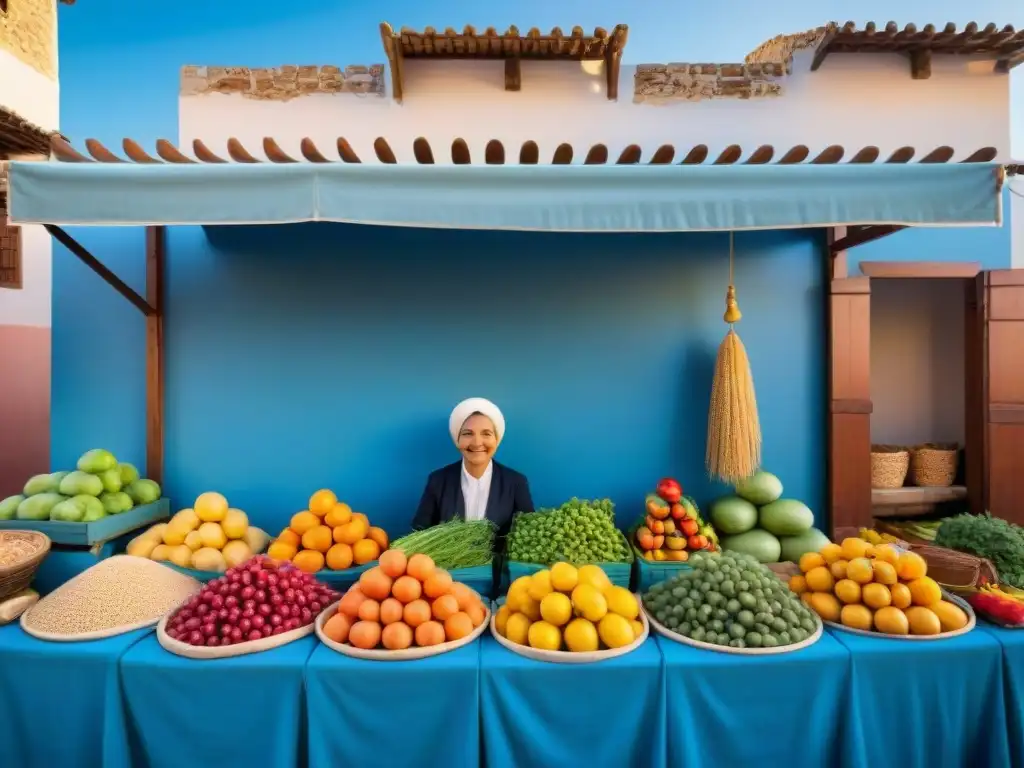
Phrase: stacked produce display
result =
(672, 527)
(757, 521)
(250, 602)
(98, 487)
(452, 545)
(208, 536)
(731, 600)
(875, 588)
(569, 609)
(1000, 542)
(328, 534)
(579, 531)
(404, 602)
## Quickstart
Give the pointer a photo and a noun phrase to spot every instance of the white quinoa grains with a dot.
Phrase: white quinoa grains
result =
(121, 591)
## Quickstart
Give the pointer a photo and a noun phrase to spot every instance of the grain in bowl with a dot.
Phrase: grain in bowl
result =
(116, 595)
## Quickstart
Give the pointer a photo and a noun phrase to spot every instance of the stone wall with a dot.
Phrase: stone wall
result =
(282, 83)
(696, 82)
(28, 31)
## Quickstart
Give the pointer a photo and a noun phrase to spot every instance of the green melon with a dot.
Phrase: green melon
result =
(758, 543)
(786, 517)
(732, 515)
(760, 488)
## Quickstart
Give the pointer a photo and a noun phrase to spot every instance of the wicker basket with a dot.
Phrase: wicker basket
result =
(956, 570)
(21, 552)
(889, 464)
(934, 465)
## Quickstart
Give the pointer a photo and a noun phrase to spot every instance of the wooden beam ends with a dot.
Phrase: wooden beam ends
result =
(941, 269)
(393, 51)
(921, 64)
(1003, 66)
(156, 252)
(823, 49)
(513, 75)
(861, 235)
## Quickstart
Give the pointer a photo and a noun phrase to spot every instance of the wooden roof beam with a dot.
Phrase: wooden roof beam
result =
(1006, 64)
(921, 64)
(861, 235)
(823, 47)
(393, 51)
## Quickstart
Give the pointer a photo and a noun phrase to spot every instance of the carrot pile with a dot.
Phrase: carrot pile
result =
(403, 602)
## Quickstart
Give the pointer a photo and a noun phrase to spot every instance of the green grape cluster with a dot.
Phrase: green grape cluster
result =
(579, 531)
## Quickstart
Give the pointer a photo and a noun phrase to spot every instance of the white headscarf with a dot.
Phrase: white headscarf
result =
(467, 408)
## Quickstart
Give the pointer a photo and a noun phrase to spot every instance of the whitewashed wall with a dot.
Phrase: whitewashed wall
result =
(853, 100)
(28, 92)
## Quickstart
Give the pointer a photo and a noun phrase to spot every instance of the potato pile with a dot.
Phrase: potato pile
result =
(208, 536)
(328, 535)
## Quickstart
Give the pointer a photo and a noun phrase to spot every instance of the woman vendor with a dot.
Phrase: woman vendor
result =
(476, 486)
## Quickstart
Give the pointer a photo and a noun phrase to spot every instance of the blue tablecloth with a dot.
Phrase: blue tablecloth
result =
(394, 714)
(1012, 642)
(60, 703)
(928, 704)
(727, 709)
(541, 714)
(245, 710)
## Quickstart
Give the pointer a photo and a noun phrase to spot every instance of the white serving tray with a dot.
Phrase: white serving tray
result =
(382, 654)
(225, 652)
(957, 601)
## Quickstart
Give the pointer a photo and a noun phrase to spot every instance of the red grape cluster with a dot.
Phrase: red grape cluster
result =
(251, 601)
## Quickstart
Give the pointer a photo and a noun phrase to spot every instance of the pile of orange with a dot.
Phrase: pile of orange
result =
(404, 602)
(328, 535)
(875, 587)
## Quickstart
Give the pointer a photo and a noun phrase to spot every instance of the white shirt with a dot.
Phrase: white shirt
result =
(475, 492)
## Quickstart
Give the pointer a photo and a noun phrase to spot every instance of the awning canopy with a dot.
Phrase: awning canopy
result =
(561, 198)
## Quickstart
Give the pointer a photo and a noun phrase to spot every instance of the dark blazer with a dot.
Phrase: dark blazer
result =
(443, 501)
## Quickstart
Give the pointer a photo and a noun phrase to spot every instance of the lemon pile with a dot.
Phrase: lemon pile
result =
(875, 587)
(572, 609)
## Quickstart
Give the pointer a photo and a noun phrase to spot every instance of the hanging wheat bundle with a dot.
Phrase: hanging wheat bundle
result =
(734, 430)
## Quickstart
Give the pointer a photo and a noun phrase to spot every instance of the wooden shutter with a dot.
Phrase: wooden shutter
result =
(1003, 405)
(10, 254)
(849, 384)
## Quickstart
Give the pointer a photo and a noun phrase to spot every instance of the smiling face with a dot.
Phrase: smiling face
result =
(477, 440)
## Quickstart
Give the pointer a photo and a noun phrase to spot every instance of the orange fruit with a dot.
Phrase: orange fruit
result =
(444, 607)
(885, 573)
(416, 613)
(351, 532)
(303, 521)
(923, 621)
(375, 583)
(364, 518)
(339, 515)
(819, 579)
(891, 621)
(309, 560)
(318, 538)
(429, 633)
(831, 552)
(853, 547)
(406, 589)
(838, 569)
(900, 596)
(369, 610)
(911, 566)
(365, 551)
(322, 502)
(364, 634)
(848, 591)
(438, 583)
(859, 569)
(876, 596)
(856, 617)
(951, 616)
(887, 553)
(393, 563)
(337, 627)
(397, 636)
(378, 535)
(810, 560)
(420, 567)
(350, 602)
(281, 550)
(339, 557)
(798, 584)
(825, 605)
(457, 626)
(391, 610)
(288, 536)
(925, 591)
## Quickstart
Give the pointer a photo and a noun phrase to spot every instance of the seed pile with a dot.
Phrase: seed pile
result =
(14, 549)
(120, 591)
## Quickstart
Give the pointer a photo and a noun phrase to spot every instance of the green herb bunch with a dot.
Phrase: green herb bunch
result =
(989, 537)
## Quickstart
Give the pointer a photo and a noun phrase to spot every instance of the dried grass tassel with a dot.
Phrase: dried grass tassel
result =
(734, 430)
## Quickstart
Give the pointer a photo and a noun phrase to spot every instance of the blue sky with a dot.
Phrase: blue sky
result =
(133, 57)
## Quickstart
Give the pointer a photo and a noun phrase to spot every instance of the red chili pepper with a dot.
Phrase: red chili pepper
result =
(1006, 610)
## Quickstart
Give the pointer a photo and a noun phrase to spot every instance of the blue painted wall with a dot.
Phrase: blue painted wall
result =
(330, 355)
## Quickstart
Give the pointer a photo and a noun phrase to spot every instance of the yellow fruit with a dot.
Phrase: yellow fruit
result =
(819, 579)
(900, 596)
(885, 573)
(516, 592)
(638, 627)
(556, 609)
(281, 550)
(855, 617)
(588, 602)
(236, 552)
(322, 502)
(180, 555)
(825, 605)
(501, 619)
(160, 552)
(838, 569)
(581, 636)
(911, 566)
(592, 574)
(951, 617)
(797, 583)
(235, 524)
(517, 628)
(340, 514)
(175, 533)
(156, 533)
(303, 521)
(859, 569)
(887, 553)
(187, 518)
(848, 591)
(810, 561)
(891, 621)
(876, 596)
(925, 591)
(831, 552)
(853, 548)
(529, 607)
(207, 559)
(923, 621)
(211, 507)
(621, 601)
(564, 577)
(194, 541)
(540, 585)
(212, 535)
(141, 546)
(544, 636)
(615, 631)
(256, 538)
